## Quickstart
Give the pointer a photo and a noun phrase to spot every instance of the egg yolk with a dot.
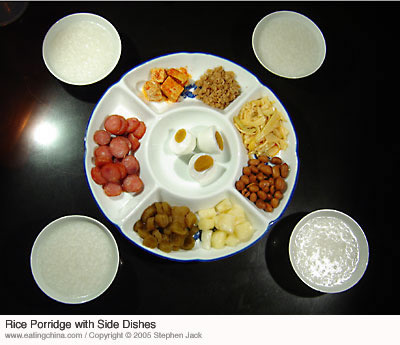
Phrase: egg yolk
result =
(220, 142)
(180, 135)
(203, 163)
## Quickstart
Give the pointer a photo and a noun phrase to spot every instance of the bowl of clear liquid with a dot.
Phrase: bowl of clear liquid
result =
(81, 49)
(328, 251)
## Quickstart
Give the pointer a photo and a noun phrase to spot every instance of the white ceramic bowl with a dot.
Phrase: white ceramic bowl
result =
(81, 49)
(289, 44)
(166, 176)
(74, 259)
(328, 251)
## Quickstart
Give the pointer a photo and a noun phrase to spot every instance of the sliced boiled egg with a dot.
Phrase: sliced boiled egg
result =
(182, 142)
(210, 140)
(203, 169)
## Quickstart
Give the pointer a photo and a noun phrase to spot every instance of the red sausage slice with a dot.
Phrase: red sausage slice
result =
(124, 126)
(119, 147)
(102, 137)
(97, 177)
(111, 172)
(102, 155)
(132, 184)
(134, 142)
(139, 132)
(113, 123)
(112, 189)
(133, 123)
(122, 170)
(131, 164)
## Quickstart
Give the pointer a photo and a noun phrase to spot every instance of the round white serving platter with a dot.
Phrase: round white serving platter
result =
(362, 248)
(60, 37)
(289, 44)
(165, 175)
(65, 270)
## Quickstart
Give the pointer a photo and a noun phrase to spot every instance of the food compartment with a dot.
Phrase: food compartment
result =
(196, 64)
(121, 103)
(173, 171)
(288, 156)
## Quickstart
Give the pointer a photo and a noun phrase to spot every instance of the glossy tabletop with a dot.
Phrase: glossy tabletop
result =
(334, 112)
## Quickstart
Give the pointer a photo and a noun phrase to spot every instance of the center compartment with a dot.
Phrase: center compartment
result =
(171, 171)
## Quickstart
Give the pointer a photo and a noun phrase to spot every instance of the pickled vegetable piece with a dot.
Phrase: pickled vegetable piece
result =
(165, 246)
(162, 220)
(193, 230)
(150, 241)
(148, 212)
(177, 240)
(178, 228)
(167, 208)
(190, 219)
(188, 243)
(157, 234)
(138, 225)
(150, 224)
(143, 233)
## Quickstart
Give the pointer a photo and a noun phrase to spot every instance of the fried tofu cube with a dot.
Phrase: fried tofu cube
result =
(180, 76)
(158, 75)
(152, 91)
(171, 89)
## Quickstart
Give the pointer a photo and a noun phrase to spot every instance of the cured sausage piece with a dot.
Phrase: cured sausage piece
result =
(124, 126)
(133, 123)
(97, 177)
(133, 184)
(112, 189)
(102, 137)
(131, 164)
(102, 155)
(139, 132)
(122, 170)
(111, 172)
(135, 144)
(113, 123)
(119, 147)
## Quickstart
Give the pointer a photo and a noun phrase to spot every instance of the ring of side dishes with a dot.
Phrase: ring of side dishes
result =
(165, 175)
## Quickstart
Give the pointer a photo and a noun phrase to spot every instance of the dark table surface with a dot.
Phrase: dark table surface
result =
(334, 112)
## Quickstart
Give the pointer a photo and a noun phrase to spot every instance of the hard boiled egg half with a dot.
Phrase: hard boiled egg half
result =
(182, 142)
(210, 140)
(203, 169)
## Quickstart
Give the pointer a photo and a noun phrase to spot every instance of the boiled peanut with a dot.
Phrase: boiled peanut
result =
(276, 160)
(274, 202)
(266, 170)
(253, 162)
(246, 171)
(260, 204)
(262, 195)
(239, 185)
(253, 188)
(280, 184)
(278, 195)
(253, 197)
(284, 170)
(276, 172)
(263, 158)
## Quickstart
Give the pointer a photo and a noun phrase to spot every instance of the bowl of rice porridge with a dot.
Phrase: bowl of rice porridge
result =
(74, 259)
(328, 251)
(81, 49)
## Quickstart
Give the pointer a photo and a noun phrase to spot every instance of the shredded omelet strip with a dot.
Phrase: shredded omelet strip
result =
(261, 127)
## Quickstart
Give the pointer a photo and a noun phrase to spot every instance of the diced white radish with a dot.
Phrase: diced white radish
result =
(232, 240)
(218, 239)
(224, 206)
(244, 231)
(206, 239)
(207, 213)
(225, 222)
(206, 223)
